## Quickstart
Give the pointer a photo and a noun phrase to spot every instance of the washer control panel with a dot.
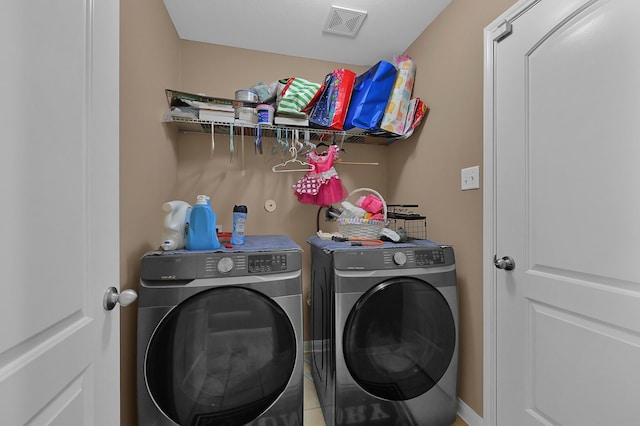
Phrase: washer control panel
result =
(183, 267)
(429, 257)
(260, 263)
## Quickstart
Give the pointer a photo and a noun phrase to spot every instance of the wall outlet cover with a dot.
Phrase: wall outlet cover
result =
(470, 178)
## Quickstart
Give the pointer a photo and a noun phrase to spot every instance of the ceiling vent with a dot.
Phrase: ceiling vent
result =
(343, 21)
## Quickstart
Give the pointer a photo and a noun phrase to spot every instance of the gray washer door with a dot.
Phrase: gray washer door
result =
(222, 356)
(399, 338)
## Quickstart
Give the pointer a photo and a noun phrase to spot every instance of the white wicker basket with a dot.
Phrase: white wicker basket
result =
(363, 228)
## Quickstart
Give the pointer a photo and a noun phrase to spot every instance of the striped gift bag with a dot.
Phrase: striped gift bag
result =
(298, 96)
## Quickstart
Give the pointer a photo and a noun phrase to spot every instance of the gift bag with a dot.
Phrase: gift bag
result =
(395, 115)
(297, 97)
(417, 109)
(330, 110)
(370, 95)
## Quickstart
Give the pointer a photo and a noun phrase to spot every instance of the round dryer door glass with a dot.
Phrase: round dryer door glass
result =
(222, 356)
(399, 339)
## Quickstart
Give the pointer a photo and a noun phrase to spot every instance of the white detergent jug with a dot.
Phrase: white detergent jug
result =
(176, 216)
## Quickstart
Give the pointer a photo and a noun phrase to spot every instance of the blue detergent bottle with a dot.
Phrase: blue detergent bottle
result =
(202, 233)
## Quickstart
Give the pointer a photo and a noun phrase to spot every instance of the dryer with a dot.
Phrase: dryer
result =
(384, 333)
(220, 335)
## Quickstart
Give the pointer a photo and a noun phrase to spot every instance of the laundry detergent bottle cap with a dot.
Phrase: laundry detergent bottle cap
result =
(239, 224)
(201, 234)
(176, 214)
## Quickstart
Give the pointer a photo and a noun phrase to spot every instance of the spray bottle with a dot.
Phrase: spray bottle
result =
(176, 214)
(239, 223)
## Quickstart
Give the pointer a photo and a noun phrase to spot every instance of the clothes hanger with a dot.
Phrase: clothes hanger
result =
(349, 163)
(257, 143)
(281, 168)
(333, 142)
(232, 148)
(321, 148)
(308, 146)
(280, 145)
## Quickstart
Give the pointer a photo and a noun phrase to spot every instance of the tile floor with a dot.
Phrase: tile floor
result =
(312, 415)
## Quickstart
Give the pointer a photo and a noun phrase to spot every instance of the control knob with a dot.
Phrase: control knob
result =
(225, 265)
(399, 258)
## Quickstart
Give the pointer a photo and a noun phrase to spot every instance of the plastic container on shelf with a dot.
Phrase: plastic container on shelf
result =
(201, 234)
(246, 115)
(265, 114)
(173, 229)
(247, 96)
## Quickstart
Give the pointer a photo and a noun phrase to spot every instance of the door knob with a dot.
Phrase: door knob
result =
(112, 298)
(507, 263)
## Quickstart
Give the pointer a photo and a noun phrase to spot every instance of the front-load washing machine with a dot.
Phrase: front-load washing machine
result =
(220, 335)
(384, 333)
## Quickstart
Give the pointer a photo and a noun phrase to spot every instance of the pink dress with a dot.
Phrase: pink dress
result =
(321, 186)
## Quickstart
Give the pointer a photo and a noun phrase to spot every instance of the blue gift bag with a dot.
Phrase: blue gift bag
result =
(369, 98)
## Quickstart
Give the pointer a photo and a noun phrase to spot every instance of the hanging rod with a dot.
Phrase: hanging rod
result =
(356, 163)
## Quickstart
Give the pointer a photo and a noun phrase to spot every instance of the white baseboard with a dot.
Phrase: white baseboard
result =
(467, 414)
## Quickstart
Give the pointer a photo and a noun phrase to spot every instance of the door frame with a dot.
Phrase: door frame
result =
(493, 33)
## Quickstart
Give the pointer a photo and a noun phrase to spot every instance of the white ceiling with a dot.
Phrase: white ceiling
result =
(295, 27)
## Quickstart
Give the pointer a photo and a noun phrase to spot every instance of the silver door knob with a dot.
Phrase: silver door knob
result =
(112, 298)
(507, 263)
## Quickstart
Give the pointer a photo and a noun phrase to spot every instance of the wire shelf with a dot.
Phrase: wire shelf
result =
(267, 130)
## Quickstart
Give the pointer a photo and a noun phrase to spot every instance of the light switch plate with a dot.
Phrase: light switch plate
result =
(470, 178)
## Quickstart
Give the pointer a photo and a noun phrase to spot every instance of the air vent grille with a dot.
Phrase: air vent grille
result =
(344, 21)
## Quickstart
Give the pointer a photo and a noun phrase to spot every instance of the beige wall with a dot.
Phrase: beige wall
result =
(248, 179)
(149, 58)
(426, 168)
(158, 164)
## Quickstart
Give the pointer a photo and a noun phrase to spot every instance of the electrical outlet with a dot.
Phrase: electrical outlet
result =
(470, 178)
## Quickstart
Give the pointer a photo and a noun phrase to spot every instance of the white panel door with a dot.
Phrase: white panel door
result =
(59, 361)
(565, 111)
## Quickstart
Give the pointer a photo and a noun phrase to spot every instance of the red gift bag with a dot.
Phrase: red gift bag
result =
(331, 108)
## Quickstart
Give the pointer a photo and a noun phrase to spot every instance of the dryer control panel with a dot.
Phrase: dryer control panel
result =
(427, 257)
(397, 258)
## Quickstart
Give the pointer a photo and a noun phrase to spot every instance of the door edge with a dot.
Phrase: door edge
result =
(493, 33)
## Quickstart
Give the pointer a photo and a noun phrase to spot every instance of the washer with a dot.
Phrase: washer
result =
(384, 333)
(220, 335)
